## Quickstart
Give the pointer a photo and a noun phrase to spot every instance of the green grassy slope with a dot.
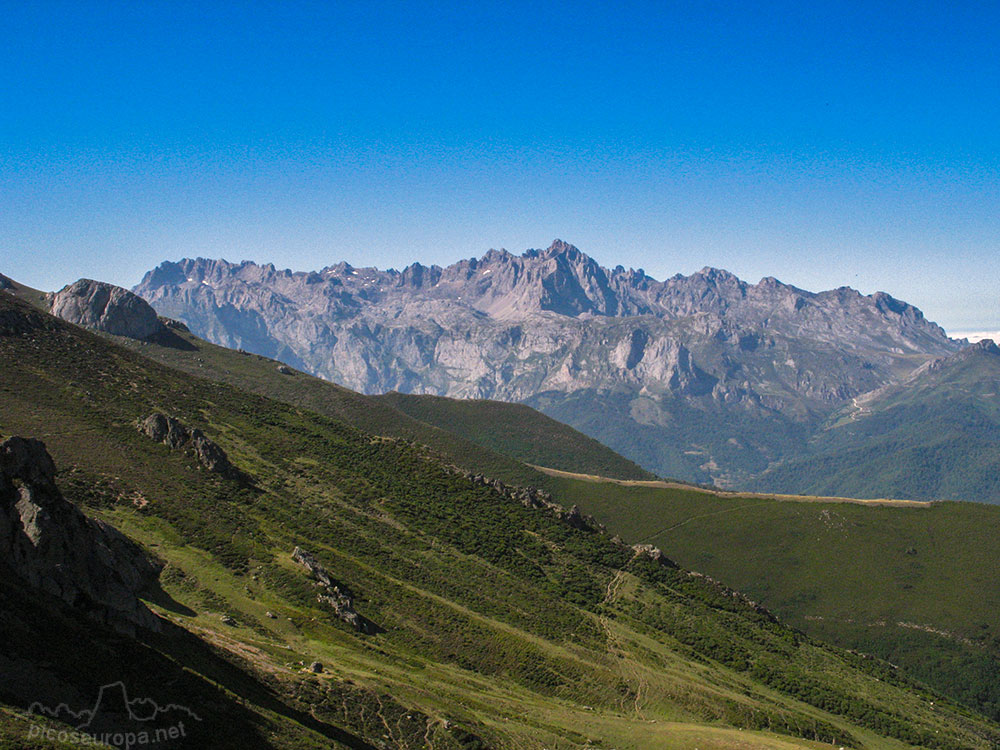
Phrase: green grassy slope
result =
(260, 375)
(519, 431)
(675, 439)
(916, 585)
(498, 622)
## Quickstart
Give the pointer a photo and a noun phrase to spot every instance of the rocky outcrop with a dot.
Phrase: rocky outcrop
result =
(49, 544)
(174, 325)
(532, 497)
(980, 349)
(105, 307)
(333, 594)
(173, 433)
(733, 594)
(653, 553)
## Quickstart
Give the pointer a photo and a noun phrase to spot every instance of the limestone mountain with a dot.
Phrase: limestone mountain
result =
(703, 377)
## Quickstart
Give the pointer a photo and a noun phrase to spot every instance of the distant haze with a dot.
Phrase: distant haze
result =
(974, 336)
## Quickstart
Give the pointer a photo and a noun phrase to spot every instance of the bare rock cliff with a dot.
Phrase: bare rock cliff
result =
(47, 542)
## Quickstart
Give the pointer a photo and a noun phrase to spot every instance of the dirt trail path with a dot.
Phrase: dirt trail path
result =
(631, 674)
(776, 497)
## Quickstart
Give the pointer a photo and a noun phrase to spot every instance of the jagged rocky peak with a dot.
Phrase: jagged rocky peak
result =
(105, 307)
(985, 346)
(553, 327)
(560, 249)
(49, 544)
(984, 349)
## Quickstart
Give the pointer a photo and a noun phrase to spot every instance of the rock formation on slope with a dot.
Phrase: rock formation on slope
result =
(48, 543)
(332, 594)
(105, 307)
(532, 497)
(173, 433)
(615, 353)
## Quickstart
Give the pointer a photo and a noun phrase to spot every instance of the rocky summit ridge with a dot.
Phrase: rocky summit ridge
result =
(550, 327)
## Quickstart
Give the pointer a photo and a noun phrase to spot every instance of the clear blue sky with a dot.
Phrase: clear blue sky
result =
(822, 143)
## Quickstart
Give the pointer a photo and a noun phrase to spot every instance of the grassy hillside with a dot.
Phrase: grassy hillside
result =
(498, 625)
(677, 440)
(916, 584)
(519, 431)
(267, 377)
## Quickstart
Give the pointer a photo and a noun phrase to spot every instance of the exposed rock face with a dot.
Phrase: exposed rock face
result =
(334, 595)
(654, 553)
(615, 353)
(52, 546)
(981, 349)
(173, 433)
(105, 307)
(174, 325)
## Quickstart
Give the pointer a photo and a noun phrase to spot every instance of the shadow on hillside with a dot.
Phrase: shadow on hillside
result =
(168, 338)
(53, 654)
(190, 650)
(156, 595)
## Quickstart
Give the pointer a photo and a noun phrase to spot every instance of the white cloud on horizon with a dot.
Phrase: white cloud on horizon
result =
(974, 336)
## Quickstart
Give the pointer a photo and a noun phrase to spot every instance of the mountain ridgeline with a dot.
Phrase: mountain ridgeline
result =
(702, 377)
(436, 608)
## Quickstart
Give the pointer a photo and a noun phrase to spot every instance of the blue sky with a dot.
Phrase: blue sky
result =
(825, 144)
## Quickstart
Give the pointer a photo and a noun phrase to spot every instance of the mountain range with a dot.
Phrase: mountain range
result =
(343, 584)
(705, 377)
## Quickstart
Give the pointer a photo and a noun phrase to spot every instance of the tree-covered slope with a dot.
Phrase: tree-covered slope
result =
(933, 437)
(519, 431)
(494, 624)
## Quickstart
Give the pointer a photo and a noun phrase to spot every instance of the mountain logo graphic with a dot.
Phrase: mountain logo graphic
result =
(116, 719)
